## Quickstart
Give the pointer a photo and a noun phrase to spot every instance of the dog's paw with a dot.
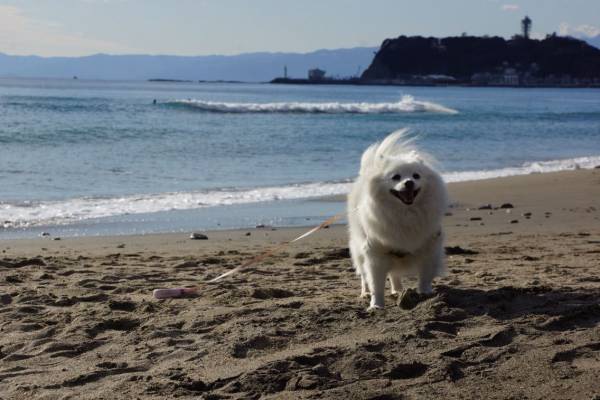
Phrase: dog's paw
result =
(375, 308)
(425, 289)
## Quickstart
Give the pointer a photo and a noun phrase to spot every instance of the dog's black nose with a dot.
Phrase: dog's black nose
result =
(409, 184)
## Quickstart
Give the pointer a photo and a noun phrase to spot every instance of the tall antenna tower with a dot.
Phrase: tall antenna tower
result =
(526, 26)
(285, 71)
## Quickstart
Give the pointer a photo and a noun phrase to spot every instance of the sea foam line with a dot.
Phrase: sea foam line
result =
(406, 105)
(533, 167)
(24, 215)
(78, 209)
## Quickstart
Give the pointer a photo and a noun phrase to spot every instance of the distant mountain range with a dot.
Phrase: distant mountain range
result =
(249, 67)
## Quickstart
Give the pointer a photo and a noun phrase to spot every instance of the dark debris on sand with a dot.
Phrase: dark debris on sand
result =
(457, 250)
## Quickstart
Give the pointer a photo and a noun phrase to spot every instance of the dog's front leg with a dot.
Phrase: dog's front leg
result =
(395, 282)
(432, 264)
(364, 287)
(376, 269)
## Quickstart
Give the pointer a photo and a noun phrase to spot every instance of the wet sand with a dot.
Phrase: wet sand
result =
(517, 316)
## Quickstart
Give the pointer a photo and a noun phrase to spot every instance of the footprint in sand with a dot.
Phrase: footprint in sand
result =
(115, 324)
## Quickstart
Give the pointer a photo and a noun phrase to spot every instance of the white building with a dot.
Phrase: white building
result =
(510, 77)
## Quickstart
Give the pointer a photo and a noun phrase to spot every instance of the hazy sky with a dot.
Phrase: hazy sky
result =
(198, 27)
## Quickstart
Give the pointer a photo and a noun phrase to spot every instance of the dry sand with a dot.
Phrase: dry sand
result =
(517, 317)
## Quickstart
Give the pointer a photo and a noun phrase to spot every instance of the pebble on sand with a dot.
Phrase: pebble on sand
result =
(5, 298)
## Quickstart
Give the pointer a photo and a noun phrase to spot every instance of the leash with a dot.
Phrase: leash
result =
(178, 292)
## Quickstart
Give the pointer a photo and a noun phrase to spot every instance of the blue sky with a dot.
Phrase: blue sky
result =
(199, 27)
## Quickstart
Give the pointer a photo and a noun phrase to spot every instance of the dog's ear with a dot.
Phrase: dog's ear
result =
(392, 143)
(368, 159)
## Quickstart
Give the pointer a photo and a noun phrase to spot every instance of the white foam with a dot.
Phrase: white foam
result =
(79, 209)
(406, 105)
(525, 169)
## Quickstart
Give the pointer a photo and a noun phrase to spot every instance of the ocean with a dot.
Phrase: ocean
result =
(81, 158)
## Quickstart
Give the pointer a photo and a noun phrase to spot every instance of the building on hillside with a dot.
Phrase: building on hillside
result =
(510, 77)
(526, 27)
(316, 74)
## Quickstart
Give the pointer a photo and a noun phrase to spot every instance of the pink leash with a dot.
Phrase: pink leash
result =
(178, 292)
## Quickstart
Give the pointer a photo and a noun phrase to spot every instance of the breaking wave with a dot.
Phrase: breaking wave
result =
(406, 105)
(534, 167)
(27, 214)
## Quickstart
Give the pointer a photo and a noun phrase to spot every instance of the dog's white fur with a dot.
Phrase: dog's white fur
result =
(387, 236)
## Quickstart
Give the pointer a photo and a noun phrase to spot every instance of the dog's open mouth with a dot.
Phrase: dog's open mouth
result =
(407, 196)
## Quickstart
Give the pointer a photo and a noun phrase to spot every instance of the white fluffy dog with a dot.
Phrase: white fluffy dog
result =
(395, 211)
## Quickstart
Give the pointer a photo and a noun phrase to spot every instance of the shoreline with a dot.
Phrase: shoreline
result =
(525, 191)
(130, 213)
(359, 82)
(465, 192)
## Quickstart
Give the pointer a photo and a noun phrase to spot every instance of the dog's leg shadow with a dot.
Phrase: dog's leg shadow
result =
(410, 298)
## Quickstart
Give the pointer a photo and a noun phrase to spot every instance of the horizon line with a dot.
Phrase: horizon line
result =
(269, 51)
(193, 56)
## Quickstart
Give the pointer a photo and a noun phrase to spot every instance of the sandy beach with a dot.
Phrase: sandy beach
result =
(517, 317)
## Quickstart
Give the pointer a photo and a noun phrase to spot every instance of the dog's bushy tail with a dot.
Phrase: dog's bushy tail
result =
(396, 144)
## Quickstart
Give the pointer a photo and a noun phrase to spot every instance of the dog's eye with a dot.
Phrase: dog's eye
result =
(397, 177)
(416, 176)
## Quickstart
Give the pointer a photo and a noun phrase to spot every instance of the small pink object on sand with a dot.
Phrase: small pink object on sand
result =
(174, 292)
